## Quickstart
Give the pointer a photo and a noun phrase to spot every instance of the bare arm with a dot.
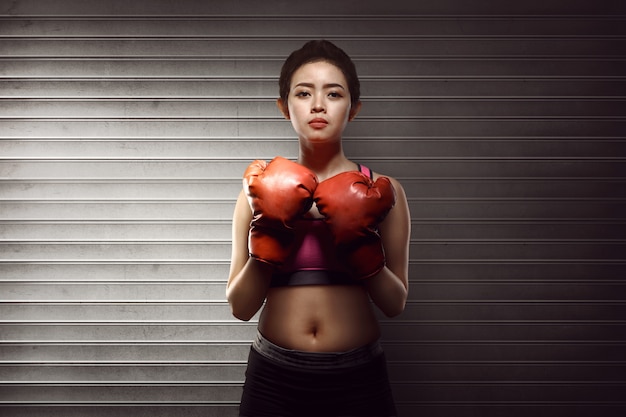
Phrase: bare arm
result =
(249, 278)
(389, 288)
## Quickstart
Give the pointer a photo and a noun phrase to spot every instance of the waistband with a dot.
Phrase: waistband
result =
(317, 360)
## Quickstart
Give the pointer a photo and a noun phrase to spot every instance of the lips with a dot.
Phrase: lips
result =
(318, 123)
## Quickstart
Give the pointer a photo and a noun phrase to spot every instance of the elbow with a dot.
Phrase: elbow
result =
(389, 295)
(394, 306)
(240, 310)
(394, 310)
(242, 315)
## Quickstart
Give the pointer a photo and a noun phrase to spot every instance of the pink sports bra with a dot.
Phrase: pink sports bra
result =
(315, 262)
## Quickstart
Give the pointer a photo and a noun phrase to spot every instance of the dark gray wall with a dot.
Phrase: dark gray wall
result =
(125, 127)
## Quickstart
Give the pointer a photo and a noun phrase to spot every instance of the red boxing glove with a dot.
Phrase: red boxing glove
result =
(278, 192)
(353, 206)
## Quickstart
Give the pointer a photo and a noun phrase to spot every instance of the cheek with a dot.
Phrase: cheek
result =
(296, 109)
(344, 112)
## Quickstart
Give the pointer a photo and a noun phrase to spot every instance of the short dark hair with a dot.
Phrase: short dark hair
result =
(316, 51)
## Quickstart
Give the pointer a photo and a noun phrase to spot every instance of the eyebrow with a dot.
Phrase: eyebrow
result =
(330, 85)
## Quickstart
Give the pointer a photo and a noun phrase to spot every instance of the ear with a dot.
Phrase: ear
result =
(354, 110)
(283, 107)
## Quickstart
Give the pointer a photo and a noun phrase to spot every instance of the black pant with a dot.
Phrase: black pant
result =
(278, 390)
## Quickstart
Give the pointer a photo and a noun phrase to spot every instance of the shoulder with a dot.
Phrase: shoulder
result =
(376, 175)
(396, 184)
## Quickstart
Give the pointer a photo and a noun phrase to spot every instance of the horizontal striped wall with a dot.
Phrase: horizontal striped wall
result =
(125, 128)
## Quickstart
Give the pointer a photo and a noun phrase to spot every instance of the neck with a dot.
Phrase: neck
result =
(325, 161)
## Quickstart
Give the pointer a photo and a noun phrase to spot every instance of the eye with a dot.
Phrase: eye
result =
(335, 94)
(302, 94)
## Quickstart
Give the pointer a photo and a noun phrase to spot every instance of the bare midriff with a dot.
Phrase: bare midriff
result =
(319, 318)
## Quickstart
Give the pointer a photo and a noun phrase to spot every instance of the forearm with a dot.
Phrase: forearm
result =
(388, 292)
(246, 291)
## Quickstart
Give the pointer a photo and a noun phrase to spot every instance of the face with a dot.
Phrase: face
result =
(318, 104)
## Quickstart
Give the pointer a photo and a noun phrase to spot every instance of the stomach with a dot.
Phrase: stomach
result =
(319, 318)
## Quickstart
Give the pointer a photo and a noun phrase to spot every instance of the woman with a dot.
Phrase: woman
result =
(317, 241)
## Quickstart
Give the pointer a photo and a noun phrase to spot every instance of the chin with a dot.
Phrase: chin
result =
(320, 139)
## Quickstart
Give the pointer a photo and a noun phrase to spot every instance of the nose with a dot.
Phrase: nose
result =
(318, 106)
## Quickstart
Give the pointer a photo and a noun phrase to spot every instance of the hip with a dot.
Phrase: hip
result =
(281, 382)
